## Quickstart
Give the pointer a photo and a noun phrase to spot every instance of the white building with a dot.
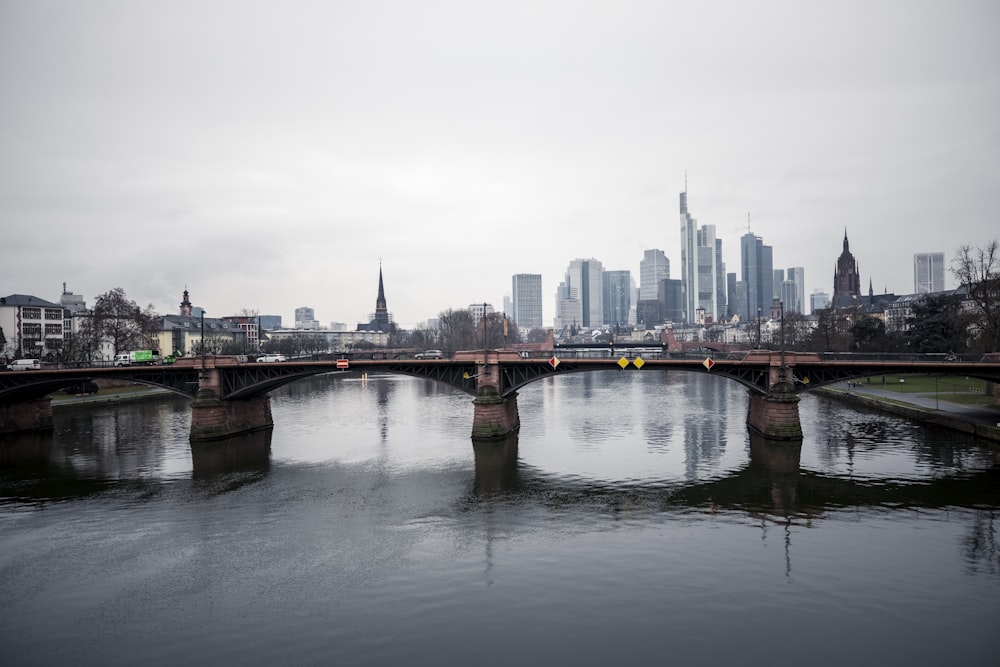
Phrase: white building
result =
(527, 300)
(928, 272)
(31, 327)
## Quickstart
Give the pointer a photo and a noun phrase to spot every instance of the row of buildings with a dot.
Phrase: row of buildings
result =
(33, 327)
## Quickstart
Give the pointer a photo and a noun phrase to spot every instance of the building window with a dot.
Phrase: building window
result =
(31, 313)
(53, 314)
(31, 330)
(53, 330)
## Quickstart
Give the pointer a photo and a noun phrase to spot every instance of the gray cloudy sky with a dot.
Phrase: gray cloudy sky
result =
(269, 154)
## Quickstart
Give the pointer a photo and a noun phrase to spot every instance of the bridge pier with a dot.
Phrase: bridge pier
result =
(495, 416)
(214, 418)
(776, 415)
(31, 415)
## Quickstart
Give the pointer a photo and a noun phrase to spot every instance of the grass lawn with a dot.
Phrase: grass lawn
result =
(927, 384)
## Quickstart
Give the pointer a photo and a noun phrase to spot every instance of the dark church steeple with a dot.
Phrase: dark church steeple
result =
(381, 321)
(846, 279)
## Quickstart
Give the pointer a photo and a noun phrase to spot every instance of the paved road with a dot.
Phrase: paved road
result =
(929, 401)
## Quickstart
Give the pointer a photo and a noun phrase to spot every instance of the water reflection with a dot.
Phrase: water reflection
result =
(250, 452)
(496, 466)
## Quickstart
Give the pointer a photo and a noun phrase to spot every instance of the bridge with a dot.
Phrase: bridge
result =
(231, 397)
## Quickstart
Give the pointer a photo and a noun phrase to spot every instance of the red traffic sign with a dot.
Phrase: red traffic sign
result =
(342, 363)
(708, 363)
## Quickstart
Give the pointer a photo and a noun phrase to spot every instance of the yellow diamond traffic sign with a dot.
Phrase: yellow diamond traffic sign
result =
(623, 362)
(708, 363)
(639, 363)
(554, 361)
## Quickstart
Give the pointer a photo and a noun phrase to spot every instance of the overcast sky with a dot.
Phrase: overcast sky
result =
(268, 155)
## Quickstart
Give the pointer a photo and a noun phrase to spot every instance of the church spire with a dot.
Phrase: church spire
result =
(380, 299)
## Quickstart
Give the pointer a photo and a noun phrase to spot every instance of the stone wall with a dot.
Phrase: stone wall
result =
(33, 415)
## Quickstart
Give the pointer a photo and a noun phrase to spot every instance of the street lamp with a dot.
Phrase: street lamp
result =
(202, 341)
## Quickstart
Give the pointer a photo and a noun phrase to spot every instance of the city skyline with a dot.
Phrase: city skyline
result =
(283, 153)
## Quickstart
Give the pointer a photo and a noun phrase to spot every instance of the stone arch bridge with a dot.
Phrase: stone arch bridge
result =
(230, 397)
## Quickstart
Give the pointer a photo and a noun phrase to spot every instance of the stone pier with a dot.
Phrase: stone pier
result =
(214, 418)
(776, 415)
(495, 416)
(29, 415)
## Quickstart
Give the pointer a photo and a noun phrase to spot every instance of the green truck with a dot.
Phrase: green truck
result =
(138, 358)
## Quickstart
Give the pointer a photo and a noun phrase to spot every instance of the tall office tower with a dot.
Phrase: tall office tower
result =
(797, 275)
(786, 295)
(846, 278)
(689, 260)
(527, 307)
(779, 277)
(671, 303)
(738, 305)
(653, 268)
(818, 300)
(708, 273)
(758, 275)
(616, 297)
(581, 292)
(730, 295)
(721, 295)
(928, 272)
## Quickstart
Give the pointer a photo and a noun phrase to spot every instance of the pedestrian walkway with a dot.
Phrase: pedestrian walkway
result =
(973, 413)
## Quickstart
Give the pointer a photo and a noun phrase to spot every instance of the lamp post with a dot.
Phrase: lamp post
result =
(781, 305)
(759, 342)
(203, 341)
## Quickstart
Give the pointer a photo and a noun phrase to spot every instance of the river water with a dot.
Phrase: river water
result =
(626, 524)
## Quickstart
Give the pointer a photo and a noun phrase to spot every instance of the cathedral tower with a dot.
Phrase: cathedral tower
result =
(846, 279)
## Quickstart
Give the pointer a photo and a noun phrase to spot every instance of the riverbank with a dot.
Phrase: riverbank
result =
(979, 420)
(111, 394)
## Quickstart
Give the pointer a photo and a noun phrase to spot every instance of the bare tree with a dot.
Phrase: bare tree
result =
(978, 271)
(457, 331)
(116, 320)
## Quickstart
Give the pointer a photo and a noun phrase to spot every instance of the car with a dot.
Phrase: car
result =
(25, 365)
(271, 358)
(429, 354)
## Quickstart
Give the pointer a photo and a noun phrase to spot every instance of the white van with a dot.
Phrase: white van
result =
(123, 359)
(25, 365)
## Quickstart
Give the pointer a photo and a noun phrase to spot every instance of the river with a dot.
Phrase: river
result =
(626, 524)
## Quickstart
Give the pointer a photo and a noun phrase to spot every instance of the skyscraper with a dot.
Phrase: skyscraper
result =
(797, 276)
(527, 295)
(653, 268)
(928, 272)
(579, 298)
(701, 280)
(758, 275)
(616, 297)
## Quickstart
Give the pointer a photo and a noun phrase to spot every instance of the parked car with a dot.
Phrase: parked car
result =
(25, 365)
(271, 358)
(429, 354)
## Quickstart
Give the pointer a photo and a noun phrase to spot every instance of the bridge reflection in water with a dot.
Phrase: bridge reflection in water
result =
(771, 483)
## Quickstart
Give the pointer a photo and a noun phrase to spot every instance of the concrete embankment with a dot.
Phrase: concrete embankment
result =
(981, 423)
(111, 393)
